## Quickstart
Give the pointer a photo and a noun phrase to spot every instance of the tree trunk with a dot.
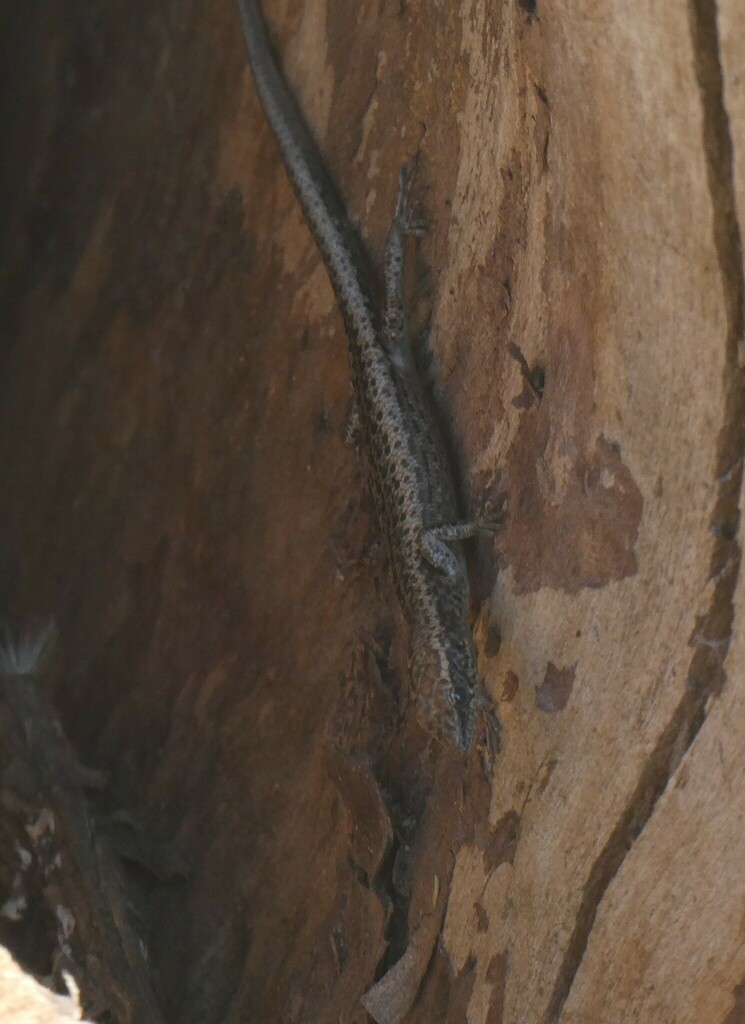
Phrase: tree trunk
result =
(178, 495)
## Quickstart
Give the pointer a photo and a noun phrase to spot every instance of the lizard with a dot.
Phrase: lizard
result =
(411, 478)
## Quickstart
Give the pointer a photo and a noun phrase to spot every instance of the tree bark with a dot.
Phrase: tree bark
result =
(178, 495)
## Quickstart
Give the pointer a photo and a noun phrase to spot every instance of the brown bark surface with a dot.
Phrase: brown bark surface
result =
(177, 494)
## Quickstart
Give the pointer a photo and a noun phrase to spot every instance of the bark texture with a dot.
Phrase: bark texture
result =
(173, 392)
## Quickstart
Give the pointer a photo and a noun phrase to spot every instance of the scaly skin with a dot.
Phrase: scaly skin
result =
(412, 482)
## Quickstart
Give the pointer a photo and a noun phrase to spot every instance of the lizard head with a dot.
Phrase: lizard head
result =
(445, 688)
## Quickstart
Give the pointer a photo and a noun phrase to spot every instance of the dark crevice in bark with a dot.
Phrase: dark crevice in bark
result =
(670, 748)
(712, 634)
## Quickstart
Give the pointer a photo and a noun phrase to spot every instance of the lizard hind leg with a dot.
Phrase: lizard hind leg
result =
(403, 217)
(435, 549)
(435, 544)
(394, 321)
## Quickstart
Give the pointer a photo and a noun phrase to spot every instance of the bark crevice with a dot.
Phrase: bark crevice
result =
(712, 635)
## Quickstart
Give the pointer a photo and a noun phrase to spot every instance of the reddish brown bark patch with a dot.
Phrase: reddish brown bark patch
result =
(510, 686)
(574, 512)
(369, 821)
(496, 973)
(500, 848)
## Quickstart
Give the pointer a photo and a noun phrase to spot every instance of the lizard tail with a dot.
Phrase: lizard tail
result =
(344, 255)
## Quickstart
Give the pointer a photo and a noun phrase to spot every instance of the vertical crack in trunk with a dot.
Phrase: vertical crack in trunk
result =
(713, 632)
(677, 737)
(718, 153)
